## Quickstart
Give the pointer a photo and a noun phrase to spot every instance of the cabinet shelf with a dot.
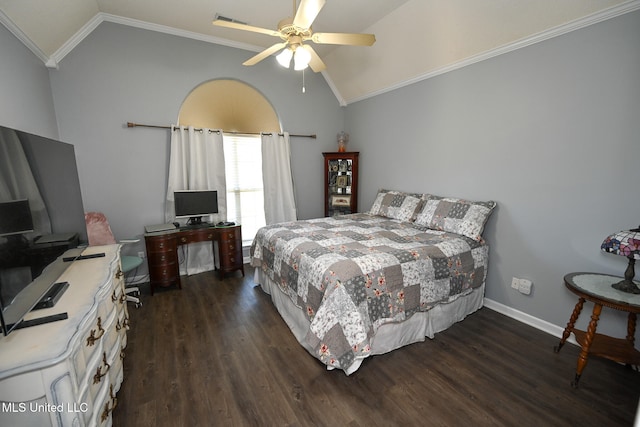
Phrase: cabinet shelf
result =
(340, 183)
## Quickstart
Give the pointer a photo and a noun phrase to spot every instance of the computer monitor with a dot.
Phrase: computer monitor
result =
(15, 217)
(194, 204)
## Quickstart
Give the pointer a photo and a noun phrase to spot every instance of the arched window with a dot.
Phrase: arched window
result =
(242, 112)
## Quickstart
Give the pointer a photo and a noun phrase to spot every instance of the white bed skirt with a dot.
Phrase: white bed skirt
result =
(389, 336)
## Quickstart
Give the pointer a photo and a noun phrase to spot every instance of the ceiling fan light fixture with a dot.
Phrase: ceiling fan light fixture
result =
(301, 58)
(284, 57)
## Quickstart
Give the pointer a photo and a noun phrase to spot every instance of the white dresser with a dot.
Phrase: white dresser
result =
(67, 373)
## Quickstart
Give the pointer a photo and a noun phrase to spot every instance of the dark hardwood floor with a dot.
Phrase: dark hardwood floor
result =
(217, 353)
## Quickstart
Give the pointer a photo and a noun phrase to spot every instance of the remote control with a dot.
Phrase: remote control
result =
(74, 258)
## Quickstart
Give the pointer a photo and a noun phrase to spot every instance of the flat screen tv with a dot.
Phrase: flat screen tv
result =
(40, 197)
(194, 204)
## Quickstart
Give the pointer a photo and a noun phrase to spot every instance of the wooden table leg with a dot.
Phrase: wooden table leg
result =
(586, 345)
(631, 329)
(570, 325)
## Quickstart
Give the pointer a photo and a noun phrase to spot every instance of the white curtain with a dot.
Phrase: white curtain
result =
(17, 181)
(196, 163)
(279, 201)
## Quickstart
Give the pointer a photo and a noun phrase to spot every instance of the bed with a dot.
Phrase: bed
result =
(357, 285)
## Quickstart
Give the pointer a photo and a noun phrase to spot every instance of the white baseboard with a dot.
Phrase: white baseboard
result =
(527, 319)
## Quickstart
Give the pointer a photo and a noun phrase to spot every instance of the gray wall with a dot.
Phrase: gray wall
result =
(25, 101)
(551, 132)
(120, 74)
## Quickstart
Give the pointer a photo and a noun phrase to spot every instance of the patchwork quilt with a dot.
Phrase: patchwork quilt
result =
(353, 273)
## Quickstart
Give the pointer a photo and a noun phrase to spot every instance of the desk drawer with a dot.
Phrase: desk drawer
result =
(160, 258)
(164, 272)
(197, 235)
(162, 243)
(230, 249)
(230, 234)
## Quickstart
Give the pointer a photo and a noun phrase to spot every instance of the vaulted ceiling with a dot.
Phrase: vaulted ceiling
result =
(415, 39)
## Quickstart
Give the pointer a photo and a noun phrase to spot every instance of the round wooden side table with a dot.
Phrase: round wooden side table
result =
(597, 289)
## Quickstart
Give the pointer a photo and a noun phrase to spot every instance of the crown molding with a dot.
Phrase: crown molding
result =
(106, 17)
(20, 35)
(333, 88)
(621, 9)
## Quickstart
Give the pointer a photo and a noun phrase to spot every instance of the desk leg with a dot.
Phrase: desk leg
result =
(570, 325)
(588, 340)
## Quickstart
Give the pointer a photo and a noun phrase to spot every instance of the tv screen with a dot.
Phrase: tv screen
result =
(195, 204)
(40, 200)
(15, 217)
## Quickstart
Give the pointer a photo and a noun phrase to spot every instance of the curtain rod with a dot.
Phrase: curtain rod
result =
(133, 125)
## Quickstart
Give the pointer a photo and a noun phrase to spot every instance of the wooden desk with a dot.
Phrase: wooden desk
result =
(597, 289)
(162, 251)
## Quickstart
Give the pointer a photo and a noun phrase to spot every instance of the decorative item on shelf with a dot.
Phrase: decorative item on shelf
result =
(343, 140)
(344, 201)
(626, 243)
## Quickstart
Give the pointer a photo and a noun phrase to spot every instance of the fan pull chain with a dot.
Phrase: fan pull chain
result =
(303, 88)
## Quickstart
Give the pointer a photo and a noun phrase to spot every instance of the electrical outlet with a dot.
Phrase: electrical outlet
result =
(515, 283)
(141, 254)
(525, 286)
(522, 285)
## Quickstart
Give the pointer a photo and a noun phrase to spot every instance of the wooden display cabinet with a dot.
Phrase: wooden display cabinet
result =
(340, 183)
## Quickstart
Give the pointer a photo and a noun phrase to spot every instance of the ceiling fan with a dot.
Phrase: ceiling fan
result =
(294, 32)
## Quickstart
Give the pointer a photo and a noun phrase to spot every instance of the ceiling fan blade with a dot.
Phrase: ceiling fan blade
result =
(262, 55)
(344, 38)
(315, 63)
(307, 12)
(245, 27)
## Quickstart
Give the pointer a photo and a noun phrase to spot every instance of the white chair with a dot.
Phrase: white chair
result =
(99, 233)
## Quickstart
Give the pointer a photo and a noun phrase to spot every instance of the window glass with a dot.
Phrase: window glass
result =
(245, 192)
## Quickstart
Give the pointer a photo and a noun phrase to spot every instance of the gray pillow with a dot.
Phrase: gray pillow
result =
(455, 215)
(397, 205)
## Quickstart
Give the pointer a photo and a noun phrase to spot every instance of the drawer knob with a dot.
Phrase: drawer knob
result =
(91, 340)
(99, 373)
(109, 409)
